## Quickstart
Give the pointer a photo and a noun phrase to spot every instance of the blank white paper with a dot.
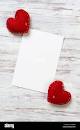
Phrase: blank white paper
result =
(37, 60)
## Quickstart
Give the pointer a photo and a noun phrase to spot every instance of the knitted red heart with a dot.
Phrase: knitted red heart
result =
(57, 94)
(19, 24)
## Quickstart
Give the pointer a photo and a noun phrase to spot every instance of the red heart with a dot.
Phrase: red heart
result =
(19, 24)
(57, 94)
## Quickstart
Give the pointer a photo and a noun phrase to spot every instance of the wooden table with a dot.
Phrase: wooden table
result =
(55, 16)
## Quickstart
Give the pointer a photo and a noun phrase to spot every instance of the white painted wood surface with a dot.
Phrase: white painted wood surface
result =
(55, 16)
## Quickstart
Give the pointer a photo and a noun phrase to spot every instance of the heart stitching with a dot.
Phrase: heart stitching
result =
(19, 24)
(57, 95)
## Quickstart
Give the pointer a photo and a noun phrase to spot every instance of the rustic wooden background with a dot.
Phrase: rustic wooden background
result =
(55, 16)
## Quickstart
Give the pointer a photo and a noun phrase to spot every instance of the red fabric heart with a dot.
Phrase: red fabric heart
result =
(57, 94)
(19, 24)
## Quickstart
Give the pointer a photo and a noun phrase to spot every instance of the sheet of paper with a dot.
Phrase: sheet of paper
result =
(37, 60)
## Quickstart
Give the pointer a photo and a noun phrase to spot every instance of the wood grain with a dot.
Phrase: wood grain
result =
(55, 16)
